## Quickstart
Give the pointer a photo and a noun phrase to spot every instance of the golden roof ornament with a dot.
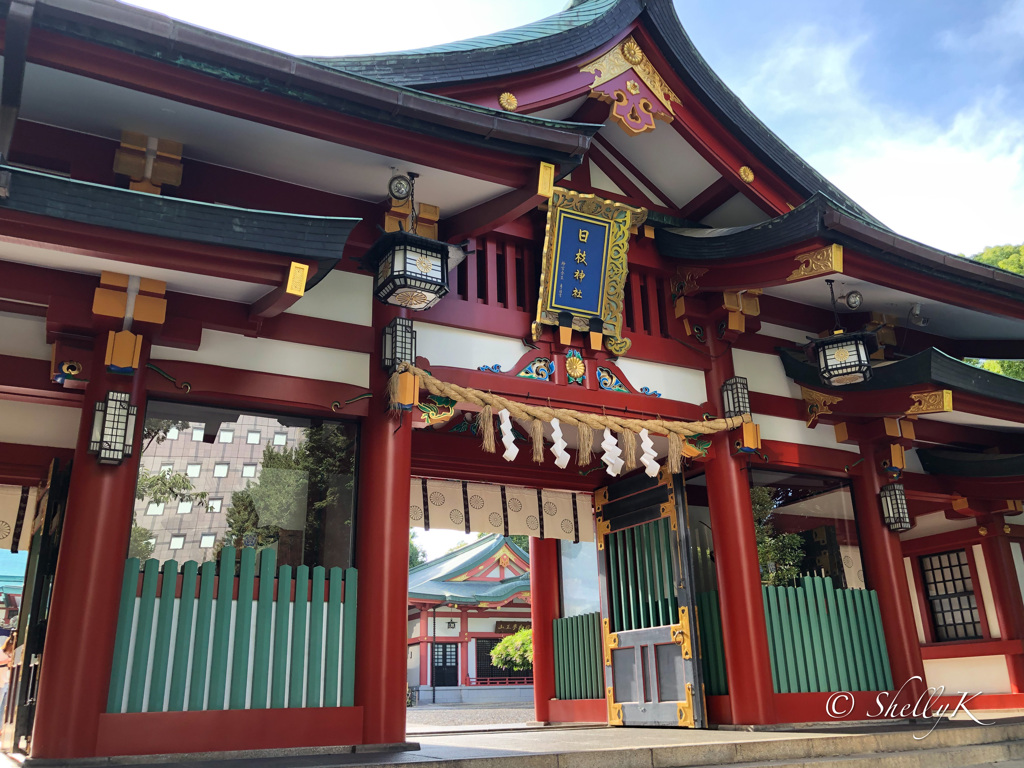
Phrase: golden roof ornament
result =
(508, 101)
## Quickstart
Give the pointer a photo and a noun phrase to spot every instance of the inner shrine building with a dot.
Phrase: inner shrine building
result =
(261, 314)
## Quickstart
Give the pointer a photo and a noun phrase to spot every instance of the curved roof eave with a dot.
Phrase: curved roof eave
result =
(149, 35)
(821, 217)
(575, 32)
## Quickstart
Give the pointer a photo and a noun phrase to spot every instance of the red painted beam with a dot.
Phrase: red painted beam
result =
(713, 197)
(29, 464)
(275, 302)
(490, 215)
(27, 379)
(608, 148)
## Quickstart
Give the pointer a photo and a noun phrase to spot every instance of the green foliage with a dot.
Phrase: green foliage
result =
(295, 489)
(1008, 257)
(416, 555)
(514, 652)
(779, 554)
(140, 544)
(155, 430)
(161, 487)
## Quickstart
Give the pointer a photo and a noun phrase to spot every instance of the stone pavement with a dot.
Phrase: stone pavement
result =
(428, 718)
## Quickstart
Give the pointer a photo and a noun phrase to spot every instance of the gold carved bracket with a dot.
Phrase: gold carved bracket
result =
(818, 404)
(684, 709)
(940, 401)
(681, 632)
(604, 527)
(614, 710)
(823, 261)
(611, 640)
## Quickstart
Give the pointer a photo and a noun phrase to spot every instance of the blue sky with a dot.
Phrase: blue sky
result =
(914, 108)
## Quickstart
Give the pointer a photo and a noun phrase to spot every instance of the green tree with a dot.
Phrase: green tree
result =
(779, 554)
(514, 652)
(1010, 258)
(416, 555)
(140, 544)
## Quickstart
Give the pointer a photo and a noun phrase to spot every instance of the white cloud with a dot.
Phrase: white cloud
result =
(1000, 35)
(958, 185)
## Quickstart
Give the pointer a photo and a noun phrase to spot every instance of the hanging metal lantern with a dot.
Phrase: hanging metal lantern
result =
(842, 358)
(894, 507)
(736, 397)
(410, 271)
(113, 429)
(399, 343)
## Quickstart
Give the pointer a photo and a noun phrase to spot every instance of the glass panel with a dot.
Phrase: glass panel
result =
(805, 527)
(294, 494)
(579, 577)
(624, 674)
(671, 676)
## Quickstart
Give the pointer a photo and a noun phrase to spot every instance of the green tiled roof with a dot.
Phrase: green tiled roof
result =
(433, 580)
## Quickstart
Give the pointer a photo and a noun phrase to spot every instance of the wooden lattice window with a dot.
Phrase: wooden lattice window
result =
(950, 591)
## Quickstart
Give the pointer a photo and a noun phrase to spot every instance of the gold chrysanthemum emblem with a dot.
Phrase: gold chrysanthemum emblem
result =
(574, 367)
(842, 355)
(747, 175)
(410, 298)
(423, 264)
(508, 101)
(631, 52)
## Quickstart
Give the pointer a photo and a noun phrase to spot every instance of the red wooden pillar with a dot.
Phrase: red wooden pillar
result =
(744, 632)
(544, 609)
(464, 644)
(82, 622)
(1002, 576)
(382, 557)
(883, 566)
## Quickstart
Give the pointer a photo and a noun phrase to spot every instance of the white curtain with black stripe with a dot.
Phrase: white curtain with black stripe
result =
(505, 509)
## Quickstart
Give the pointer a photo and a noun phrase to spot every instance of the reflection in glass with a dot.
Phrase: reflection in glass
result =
(290, 486)
(579, 578)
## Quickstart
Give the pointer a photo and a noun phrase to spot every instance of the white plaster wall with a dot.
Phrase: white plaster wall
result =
(36, 424)
(442, 633)
(783, 332)
(674, 383)
(472, 658)
(764, 373)
(1018, 564)
(908, 566)
(459, 348)
(272, 356)
(413, 665)
(414, 628)
(985, 588)
(793, 431)
(933, 523)
(345, 297)
(23, 336)
(977, 674)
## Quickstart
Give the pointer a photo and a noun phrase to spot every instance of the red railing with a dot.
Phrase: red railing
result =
(499, 681)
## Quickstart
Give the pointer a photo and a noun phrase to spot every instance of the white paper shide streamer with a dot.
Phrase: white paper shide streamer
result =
(506, 435)
(650, 457)
(612, 452)
(558, 449)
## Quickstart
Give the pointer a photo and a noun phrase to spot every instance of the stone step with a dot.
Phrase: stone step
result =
(943, 757)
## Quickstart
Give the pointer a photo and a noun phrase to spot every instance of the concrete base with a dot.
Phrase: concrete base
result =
(475, 694)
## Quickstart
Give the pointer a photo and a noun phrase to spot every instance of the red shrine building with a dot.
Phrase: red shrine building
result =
(461, 605)
(260, 314)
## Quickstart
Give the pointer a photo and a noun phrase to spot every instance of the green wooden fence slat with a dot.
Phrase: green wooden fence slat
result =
(143, 635)
(624, 597)
(613, 581)
(580, 662)
(123, 638)
(282, 620)
(814, 619)
(220, 651)
(879, 633)
(670, 537)
(588, 650)
(243, 629)
(348, 638)
(828, 649)
(332, 663)
(314, 675)
(183, 636)
(201, 649)
(871, 661)
(660, 578)
(838, 644)
(719, 644)
(298, 650)
(556, 649)
(264, 630)
(647, 576)
(852, 644)
(787, 669)
(162, 642)
(635, 616)
(770, 621)
(805, 633)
